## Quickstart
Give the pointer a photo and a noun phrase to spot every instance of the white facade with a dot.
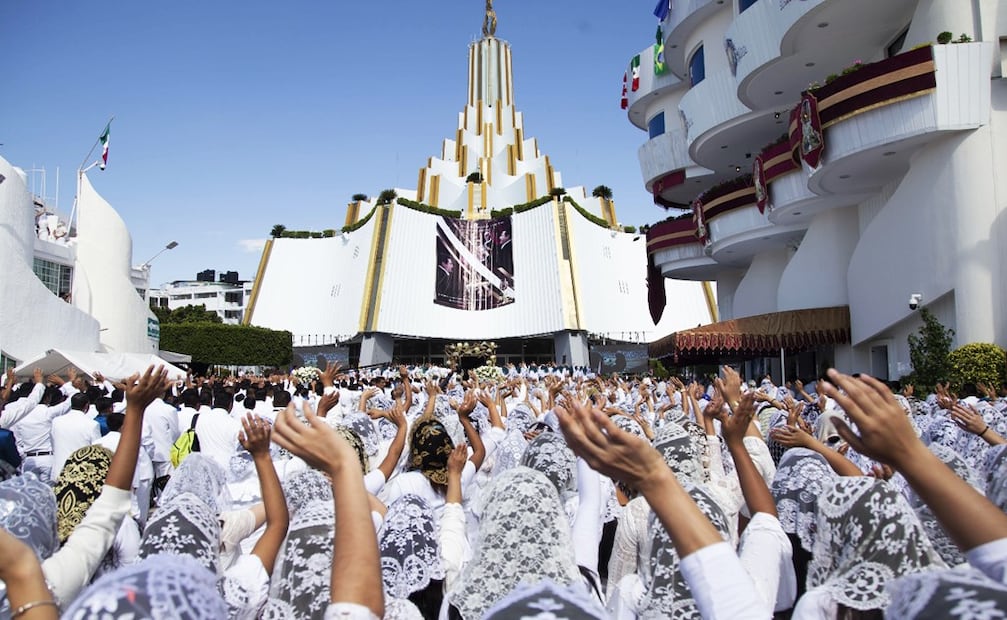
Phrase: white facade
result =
(101, 309)
(226, 299)
(908, 197)
(574, 278)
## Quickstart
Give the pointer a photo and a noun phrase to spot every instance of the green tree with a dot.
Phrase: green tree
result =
(240, 345)
(387, 197)
(188, 314)
(602, 191)
(359, 198)
(977, 362)
(475, 177)
(278, 230)
(929, 349)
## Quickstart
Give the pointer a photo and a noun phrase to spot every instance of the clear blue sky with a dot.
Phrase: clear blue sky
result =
(235, 116)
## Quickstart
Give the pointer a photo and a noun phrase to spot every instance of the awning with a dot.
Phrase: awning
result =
(763, 334)
(114, 366)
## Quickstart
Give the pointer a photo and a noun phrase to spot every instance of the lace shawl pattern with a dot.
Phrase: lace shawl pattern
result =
(185, 527)
(937, 595)
(408, 542)
(800, 479)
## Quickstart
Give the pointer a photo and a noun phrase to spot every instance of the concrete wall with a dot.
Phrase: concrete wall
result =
(32, 318)
(816, 276)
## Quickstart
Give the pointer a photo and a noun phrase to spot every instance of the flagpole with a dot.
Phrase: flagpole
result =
(80, 173)
(88, 156)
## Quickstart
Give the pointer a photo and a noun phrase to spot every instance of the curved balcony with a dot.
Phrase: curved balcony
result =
(683, 18)
(677, 251)
(663, 155)
(874, 119)
(778, 50)
(710, 103)
(650, 89)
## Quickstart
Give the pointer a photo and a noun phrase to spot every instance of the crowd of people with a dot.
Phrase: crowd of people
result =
(544, 493)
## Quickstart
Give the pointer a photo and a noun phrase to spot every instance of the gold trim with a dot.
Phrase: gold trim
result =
(435, 189)
(488, 176)
(471, 79)
(511, 164)
(608, 208)
(470, 212)
(510, 78)
(459, 138)
(479, 116)
(567, 276)
(352, 213)
(529, 183)
(381, 274)
(550, 179)
(716, 202)
(519, 142)
(711, 303)
(779, 159)
(375, 278)
(499, 117)
(463, 163)
(260, 273)
(873, 83)
(675, 235)
(534, 143)
(421, 185)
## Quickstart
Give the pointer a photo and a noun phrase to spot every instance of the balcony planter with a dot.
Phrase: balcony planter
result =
(774, 161)
(882, 83)
(670, 233)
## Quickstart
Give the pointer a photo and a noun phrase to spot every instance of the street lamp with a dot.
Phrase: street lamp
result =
(171, 246)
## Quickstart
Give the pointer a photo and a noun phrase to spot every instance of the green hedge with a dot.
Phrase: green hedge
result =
(423, 208)
(359, 223)
(239, 345)
(587, 215)
(978, 362)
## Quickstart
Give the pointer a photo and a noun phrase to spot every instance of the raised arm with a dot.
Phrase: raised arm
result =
(887, 436)
(356, 562)
(397, 416)
(797, 437)
(734, 428)
(140, 392)
(27, 593)
(464, 412)
(254, 437)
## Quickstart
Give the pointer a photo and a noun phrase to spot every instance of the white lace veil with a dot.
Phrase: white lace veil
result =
(799, 481)
(668, 595)
(524, 536)
(549, 454)
(679, 450)
(546, 599)
(201, 476)
(943, 594)
(160, 586)
(28, 512)
(995, 473)
(408, 542)
(184, 527)
(301, 579)
(867, 536)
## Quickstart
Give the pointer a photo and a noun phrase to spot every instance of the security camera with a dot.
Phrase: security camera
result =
(914, 300)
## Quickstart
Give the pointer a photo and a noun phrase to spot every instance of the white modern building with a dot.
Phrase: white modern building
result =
(835, 159)
(227, 296)
(78, 292)
(490, 245)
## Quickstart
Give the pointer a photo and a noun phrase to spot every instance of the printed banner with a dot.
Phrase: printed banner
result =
(759, 180)
(812, 141)
(475, 264)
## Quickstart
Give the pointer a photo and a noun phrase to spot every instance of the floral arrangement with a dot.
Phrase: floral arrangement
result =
(458, 350)
(306, 374)
(489, 372)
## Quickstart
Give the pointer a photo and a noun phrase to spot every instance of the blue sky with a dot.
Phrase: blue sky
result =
(234, 116)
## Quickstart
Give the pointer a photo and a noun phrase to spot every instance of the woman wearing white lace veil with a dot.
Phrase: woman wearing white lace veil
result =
(411, 568)
(546, 598)
(161, 586)
(523, 537)
(300, 583)
(185, 526)
(995, 472)
(943, 594)
(201, 476)
(28, 512)
(867, 535)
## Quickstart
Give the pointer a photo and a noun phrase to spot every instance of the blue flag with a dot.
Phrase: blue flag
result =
(662, 10)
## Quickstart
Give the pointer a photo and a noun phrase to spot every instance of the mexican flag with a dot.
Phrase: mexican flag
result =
(103, 138)
(660, 67)
(635, 65)
(625, 85)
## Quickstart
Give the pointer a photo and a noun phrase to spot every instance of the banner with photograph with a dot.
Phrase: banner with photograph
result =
(475, 264)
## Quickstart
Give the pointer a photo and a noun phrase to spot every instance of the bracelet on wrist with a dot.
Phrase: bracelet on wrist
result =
(984, 430)
(20, 611)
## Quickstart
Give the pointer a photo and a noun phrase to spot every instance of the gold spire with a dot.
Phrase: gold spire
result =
(490, 22)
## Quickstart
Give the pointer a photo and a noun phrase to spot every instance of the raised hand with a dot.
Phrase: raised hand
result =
(317, 444)
(326, 403)
(730, 386)
(397, 414)
(456, 461)
(37, 375)
(885, 432)
(468, 404)
(254, 435)
(328, 376)
(734, 427)
(792, 437)
(141, 390)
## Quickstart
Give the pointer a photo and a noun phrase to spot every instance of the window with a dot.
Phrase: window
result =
(56, 277)
(205, 295)
(233, 298)
(745, 4)
(7, 362)
(181, 297)
(896, 46)
(656, 125)
(697, 67)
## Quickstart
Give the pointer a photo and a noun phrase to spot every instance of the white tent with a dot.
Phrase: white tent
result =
(114, 366)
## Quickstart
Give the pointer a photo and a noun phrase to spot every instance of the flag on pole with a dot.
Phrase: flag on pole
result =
(662, 10)
(625, 86)
(660, 67)
(636, 72)
(104, 146)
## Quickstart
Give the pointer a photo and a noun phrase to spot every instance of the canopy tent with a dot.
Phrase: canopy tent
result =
(175, 358)
(760, 335)
(114, 366)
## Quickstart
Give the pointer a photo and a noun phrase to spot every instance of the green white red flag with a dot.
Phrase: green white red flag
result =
(104, 146)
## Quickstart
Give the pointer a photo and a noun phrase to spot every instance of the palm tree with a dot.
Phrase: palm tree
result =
(602, 191)
(475, 177)
(359, 198)
(387, 197)
(277, 231)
